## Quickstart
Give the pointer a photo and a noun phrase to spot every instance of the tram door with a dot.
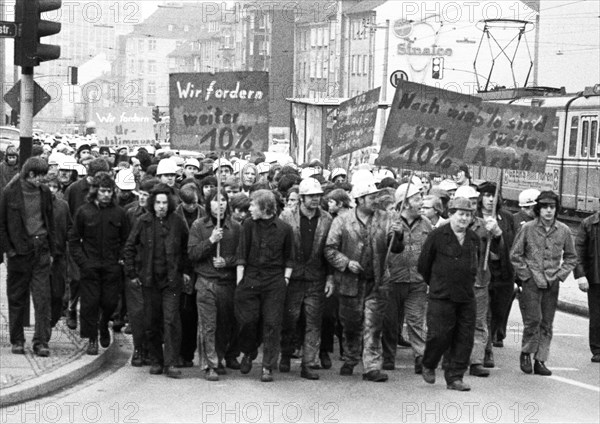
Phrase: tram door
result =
(588, 173)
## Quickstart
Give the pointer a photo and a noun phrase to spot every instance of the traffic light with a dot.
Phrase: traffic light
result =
(156, 114)
(437, 68)
(28, 49)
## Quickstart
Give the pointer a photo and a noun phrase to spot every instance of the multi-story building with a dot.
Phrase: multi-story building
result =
(88, 30)
(143, 63)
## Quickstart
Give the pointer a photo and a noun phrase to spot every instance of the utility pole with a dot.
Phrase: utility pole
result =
(2, 67)
(384, 73)
(536, 50)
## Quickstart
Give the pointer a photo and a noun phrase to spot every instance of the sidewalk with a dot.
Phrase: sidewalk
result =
(571, 299)
(24, 377)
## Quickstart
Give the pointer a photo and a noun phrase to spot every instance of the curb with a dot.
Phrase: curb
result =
(573, 308)
(59, 378)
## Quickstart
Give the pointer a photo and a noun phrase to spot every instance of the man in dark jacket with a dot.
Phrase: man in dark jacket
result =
(27, 237)
(189, 210)
(448, 264)
(264, 267)
(133, 291)
(587, 271)
(96, 240)
(212, 249)
(62, 224)
(502, 275)
(310, 281)
(156, 259)
(76, 196)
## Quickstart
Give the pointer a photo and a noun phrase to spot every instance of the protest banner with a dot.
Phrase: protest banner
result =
(512, 137)
(219, 112)
(434, 129)
(427, 127)
(124, 125)
(355, 125)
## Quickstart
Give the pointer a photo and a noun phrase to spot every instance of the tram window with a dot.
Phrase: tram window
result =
(573, 136)
(585, 128)
(594, 142)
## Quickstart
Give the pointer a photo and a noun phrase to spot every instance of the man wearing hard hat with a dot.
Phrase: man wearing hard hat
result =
(222, 169)
(448, 263)
(526, 203)
(307, 289)
(356, 247)
(409, 291)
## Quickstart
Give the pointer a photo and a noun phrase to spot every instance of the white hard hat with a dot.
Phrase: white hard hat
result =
(467, 192)
(309, 186)
(337, 172)
(68, 163)
(308, 172)
(448, 185)
(179, 161)
(191, 162)
(56, 158)
(381, 174)
(363, 184)
(401, 191)
(166, 166)
(81, 170)
(150, 149)
(528, 197)
(263, 167)
(239, 165)
(125, 179)
(221, 162)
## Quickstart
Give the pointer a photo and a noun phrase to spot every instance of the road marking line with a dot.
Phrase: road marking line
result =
(564, 369)
(576, 383)
(520, 332)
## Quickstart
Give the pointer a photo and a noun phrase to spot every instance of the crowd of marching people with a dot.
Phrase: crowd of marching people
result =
(224, 257)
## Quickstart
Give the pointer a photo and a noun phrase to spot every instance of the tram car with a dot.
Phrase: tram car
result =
(573, 171)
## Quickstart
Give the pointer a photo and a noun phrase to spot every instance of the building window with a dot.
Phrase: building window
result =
(326, 36)
(151, 45)
(365, 70)
(151, 88)
(140, 45)
(573, 136)
(304, 71)
(131, 66)
(319, 67)
(313, 37)
(312, 69)
(325, 69)
(170, 27)
(152, 66)
(213, 26)
(319, 37)
(140, 66)
(186, 28)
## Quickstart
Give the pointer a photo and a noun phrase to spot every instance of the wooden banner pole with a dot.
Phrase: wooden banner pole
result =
(494, 215)
(218, 197)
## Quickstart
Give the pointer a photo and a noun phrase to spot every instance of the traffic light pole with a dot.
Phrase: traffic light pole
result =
(26, 121)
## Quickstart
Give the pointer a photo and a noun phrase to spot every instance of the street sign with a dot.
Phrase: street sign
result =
(398, 76)
(40, 97)
(8, 29)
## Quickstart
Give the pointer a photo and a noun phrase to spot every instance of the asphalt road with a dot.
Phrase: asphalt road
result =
(123, 394)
